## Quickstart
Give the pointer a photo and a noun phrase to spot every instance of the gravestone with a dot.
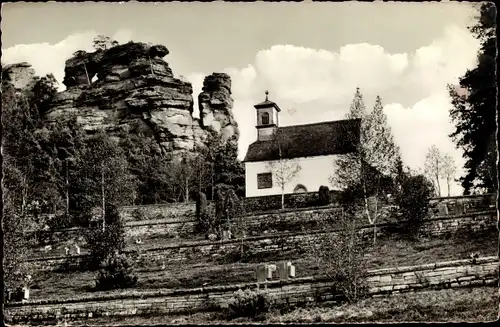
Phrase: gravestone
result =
(443, 209)
(459, 208)
(261, 273)
(66, 249)
(291, 272)
(226, 235)
(26, 293)
(77, 249)
(283, 270)
(271, 269)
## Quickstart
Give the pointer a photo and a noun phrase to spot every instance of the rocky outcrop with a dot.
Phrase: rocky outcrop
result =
(131, 88)
(216, 106)
(21, 74)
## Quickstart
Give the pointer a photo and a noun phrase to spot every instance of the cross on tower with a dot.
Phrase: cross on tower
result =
(267, 93)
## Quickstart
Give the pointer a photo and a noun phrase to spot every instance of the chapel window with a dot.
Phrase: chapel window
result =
(265, 118)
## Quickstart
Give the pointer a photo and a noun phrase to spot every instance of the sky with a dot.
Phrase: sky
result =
(309, 56)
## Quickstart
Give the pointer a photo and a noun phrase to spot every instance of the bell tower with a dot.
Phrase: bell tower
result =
(267, 119)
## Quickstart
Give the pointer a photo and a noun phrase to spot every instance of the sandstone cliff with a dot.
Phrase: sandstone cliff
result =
(21, 74)
(131, 88)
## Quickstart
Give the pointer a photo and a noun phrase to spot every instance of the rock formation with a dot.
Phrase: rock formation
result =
(131, 88)
(21, 74)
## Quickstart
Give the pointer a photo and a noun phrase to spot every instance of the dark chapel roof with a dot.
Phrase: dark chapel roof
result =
(334, 137)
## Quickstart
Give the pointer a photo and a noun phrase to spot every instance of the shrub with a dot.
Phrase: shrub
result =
(413, 200)
(324, 195)
(116, 273)
(103, 243)
(249, 303)
(59, 222)
(339, 256)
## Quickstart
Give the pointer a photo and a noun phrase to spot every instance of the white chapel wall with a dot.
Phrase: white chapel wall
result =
(315, 171)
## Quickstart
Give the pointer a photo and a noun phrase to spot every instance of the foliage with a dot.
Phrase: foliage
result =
(365, 175)
(23, 181)
(203, 214)
(339, 256)
(103, 243)
(152, 170)
(324, 195)
(449, 170)
(249, 303)
(225, 170)
(116, 273)
(102, 42)
(474, 111)
(412, 197)
(102, 176)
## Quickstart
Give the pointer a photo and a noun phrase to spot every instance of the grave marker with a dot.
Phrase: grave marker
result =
(261, 273)
(77, 249)
(283, 270)
(291, 272)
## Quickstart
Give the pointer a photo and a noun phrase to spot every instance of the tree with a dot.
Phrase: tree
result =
(365, 174)
(283, 170)
(474, 113)
(20, 120)
(102, 177)
(412, 196)
(449, 170)
(434, 161)
(222, 164)
(102, 43)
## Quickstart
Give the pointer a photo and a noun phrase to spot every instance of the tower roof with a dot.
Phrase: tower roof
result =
(267, 104)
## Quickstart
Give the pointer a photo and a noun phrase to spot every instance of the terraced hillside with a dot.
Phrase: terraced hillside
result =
(169, 259)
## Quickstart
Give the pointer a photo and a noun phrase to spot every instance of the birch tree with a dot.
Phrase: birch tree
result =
(364, 173)
(434, 161)
(283, 170)
(449, 170)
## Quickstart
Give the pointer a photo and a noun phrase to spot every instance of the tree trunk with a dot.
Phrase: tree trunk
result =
(86, 73)
(212, 178)
(186, 195)
(23, 196)
(103, 199)
(282, 198)
(448, 182)
(67, 189)
(437, 178)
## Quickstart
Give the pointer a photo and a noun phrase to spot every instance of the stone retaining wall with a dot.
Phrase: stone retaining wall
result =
(168, 212)
(460, 273)
(290, 244)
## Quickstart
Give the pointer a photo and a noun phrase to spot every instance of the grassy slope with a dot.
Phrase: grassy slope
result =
(388, 252)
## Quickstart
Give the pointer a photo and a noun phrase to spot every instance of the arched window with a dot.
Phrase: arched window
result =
(265, 118)
(300, 189)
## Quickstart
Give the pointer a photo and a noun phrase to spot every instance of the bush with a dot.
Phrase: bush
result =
(60, 222)
(103, 243)
(249, 304)
(413, 201)
(339, 256)
(116, 273)
(324, 195)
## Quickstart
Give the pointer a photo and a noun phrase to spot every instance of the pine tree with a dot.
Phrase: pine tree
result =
(474, 113)
(363, 174)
